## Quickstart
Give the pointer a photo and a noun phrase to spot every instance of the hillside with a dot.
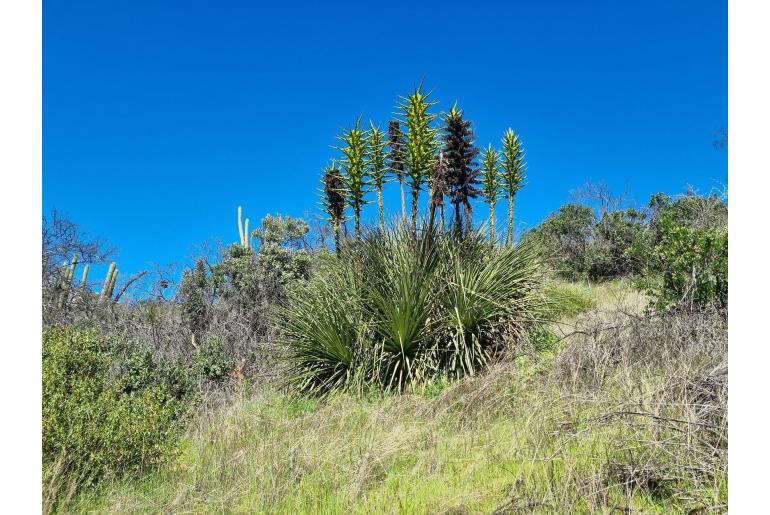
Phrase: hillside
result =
(611, 410)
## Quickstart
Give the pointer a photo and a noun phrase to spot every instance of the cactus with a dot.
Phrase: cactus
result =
(109, 282)
(84, 280)
(66, 280)
(240, 224)
(243, 230)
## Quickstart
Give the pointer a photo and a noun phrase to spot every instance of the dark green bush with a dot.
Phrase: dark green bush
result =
(692, 267)
(582, 245)
(102, 418)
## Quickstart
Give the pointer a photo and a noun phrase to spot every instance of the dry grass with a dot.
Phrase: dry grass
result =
(628, 415)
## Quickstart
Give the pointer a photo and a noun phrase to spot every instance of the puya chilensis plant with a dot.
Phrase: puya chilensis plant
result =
(490, 184)
(420, 143)
(396, 158)
(243, 230)
(333, 201)
(109, 282)
(462, 171)
(377, 166)
(353, 163)
(512, 174)
(439, 189)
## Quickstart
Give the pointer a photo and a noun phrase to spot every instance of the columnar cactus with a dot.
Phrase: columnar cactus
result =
(243, 230)
(109, 282)
(84, 279)
(66, 280)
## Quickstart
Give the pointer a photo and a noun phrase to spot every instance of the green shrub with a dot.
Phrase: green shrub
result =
(394, 310)
(692, 267)
(582, 245)
(102, 418)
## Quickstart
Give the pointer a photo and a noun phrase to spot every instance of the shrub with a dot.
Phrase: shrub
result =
(102, 419)
(394, 309)
(692, 264)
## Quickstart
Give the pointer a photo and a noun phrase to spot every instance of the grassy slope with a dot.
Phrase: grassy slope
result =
(513, 439)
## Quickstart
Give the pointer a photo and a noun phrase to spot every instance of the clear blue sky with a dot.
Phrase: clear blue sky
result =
(161, 117)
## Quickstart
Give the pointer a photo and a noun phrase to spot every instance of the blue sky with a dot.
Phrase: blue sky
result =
(161, 117)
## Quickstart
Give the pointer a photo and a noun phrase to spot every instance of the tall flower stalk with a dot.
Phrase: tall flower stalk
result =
(353, 163)
(334, 201)
(462, 171)
(397, 158)
(420, 143)
(512, 176)
(439, 188)
(377, 166)
(490, 184)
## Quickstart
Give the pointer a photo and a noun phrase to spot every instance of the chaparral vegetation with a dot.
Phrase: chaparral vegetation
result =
(435, 359)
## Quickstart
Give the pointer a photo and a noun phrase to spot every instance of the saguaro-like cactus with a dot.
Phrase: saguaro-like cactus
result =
(84, 279)
(109, 282)
(243, 230)
(66, 280)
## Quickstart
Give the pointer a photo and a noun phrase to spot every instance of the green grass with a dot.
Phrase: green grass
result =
(473, 448)
(515, 438)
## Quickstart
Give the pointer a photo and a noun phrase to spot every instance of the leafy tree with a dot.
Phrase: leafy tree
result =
(692, 263)
(397, 158)
(490, 183)
(420, 144)
(193, 298)
(353, 164)
(513, 168)
(462, 170)
(567, 234)
(377, 167)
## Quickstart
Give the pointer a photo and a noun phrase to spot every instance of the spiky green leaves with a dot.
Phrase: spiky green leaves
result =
(420, 142)
(353, 162)
(462, 171)
(512, 176)
(490, 178)
(403, 309)
(377, 166)
(376, 155)
(513, 165)
(491, 184)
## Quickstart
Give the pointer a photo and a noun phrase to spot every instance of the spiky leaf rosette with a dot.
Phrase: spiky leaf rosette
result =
(460, 153)
(420, 142)
(396, 153)
(376, 155)
(353, 162)
(513, 165)
(490, 179)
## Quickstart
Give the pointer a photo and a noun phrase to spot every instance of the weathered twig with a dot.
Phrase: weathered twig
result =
(128, 283)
